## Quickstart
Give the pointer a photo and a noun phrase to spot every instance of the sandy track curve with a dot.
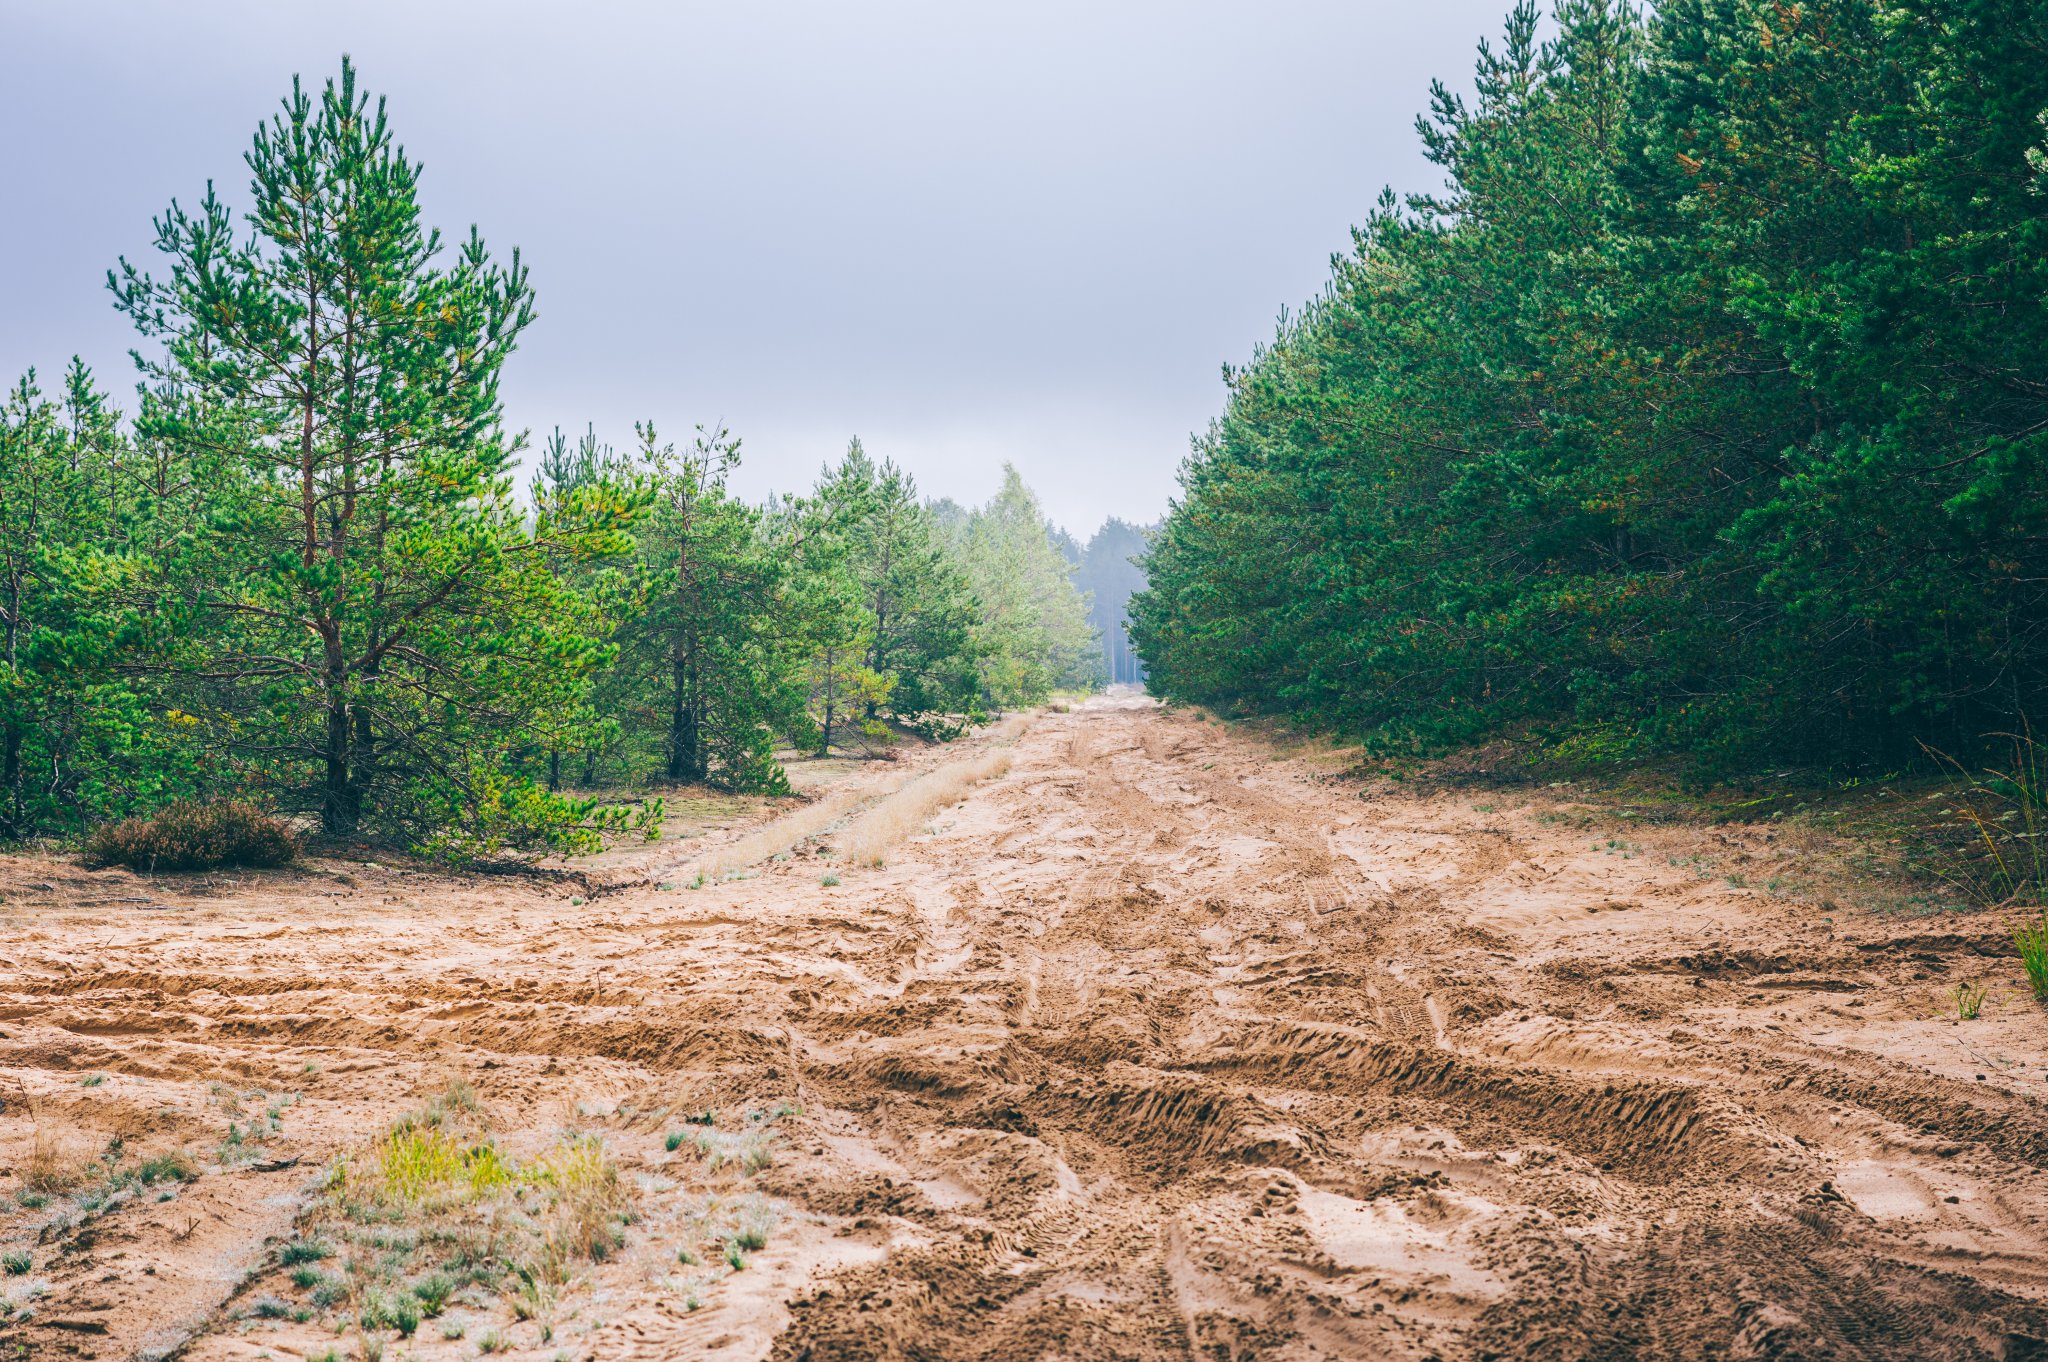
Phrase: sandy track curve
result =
(1157, 1047)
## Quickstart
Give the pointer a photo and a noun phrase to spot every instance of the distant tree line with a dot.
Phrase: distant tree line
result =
(1109, 570)
(1703, 411)
(302, 572)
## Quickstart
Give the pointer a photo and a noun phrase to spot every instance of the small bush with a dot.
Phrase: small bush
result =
(756, 1220)
(17, 1263)
(194, 835)
(270, 1307)
(432, 1292)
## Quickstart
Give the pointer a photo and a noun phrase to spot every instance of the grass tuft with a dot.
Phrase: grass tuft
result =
(296, 1251)
(1996, 818)
(2031, 939)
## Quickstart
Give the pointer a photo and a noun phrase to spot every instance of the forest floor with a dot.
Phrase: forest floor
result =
(1161, 1044)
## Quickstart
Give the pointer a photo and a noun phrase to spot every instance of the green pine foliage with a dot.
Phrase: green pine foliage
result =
(376, 618)
(1704, 411)
(706, 660)
(86, 518)
(908, 651)
(1033, 634)
(301, 575)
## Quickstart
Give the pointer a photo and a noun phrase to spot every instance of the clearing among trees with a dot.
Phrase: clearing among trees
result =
(1160, 1044)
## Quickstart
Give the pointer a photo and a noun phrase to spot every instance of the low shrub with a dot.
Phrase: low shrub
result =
(194, 835)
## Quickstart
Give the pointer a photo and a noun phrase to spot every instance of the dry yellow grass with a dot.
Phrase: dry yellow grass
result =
(51, 1165)
(904, 812)
(906, 804)
(777, 837)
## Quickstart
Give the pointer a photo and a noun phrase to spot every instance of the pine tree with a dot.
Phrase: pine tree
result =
(1033, 632)
(706, 660)
(381, 623)
(916, 611)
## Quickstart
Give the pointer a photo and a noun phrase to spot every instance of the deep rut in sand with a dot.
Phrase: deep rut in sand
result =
(1157, 1047)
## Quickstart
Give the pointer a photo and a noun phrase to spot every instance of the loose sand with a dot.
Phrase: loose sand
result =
(1157, 1046)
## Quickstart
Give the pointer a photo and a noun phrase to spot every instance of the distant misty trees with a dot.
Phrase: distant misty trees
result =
(1107, 571)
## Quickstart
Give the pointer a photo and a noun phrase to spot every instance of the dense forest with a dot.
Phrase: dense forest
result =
(302, 571)
(1704, 409)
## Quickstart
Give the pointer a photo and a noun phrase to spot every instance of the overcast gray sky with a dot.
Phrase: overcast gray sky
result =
(966, 232)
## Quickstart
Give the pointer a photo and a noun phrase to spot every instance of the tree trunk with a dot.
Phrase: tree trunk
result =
(363, 756)
(695, 767)
(685, 731)
(554, 769)
(10, 752)
(341, 802)
(10, 777)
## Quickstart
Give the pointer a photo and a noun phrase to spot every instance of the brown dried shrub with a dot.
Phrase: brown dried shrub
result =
(194, 834)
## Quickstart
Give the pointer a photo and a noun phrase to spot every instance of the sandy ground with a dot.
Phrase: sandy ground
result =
(1159, 1046)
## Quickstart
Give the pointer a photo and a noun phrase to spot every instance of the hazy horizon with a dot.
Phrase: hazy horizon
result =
(1024, 235)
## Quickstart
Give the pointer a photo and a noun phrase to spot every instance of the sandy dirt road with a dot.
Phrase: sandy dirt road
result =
(1158, 1047)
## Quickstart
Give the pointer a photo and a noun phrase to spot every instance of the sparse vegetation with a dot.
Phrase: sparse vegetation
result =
(175, 1166)
(748, 1150)
(2031, 939)
(1991, 838)
(781, 834)
(17, 1263)
(434, 1210)
(1969, 1000)
(297, 1251)
(868, 840)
